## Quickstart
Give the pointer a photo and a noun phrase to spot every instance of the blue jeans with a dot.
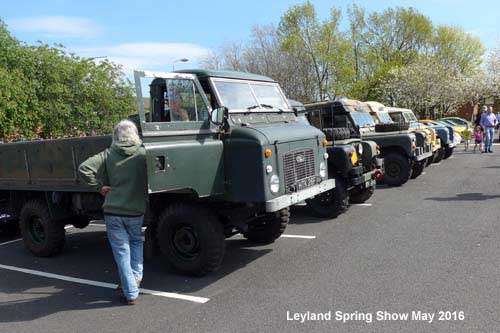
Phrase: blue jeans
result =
(489, 135)
(124, 234)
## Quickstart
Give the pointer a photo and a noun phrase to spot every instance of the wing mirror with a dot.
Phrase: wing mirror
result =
(218, 115)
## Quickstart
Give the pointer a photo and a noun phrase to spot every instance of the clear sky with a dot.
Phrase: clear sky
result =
(152, 34)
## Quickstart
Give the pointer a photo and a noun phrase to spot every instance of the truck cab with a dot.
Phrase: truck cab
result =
(354, 163)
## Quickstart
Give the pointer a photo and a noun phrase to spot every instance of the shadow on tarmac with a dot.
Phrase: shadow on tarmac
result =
(466, 197)
(87, 255)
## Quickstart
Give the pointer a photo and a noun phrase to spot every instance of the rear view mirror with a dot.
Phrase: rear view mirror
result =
(218, 115)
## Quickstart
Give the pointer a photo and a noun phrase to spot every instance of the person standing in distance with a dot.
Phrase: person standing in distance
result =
(488, 122)
(119, 174)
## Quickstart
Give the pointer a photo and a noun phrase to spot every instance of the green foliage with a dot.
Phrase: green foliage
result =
(325, 47)
(46, 92)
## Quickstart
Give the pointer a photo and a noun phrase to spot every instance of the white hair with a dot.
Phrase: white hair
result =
(126, 131)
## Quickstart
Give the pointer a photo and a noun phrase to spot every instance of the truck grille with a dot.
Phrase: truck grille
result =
(298, 165)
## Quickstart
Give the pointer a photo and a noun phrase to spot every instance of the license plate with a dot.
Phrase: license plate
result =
(307, 182)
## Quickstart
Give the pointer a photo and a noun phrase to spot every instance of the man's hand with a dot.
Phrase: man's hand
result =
(105, 190)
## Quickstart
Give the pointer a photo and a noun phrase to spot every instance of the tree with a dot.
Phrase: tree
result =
(48, 93)
(457, 50)
(324, 45)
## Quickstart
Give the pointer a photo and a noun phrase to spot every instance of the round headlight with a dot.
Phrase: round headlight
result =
(325, 155)
(322, 170)
(360, 149)
(274, 184)
(269, 169)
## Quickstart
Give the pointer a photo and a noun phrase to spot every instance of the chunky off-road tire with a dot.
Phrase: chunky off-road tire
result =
(339, 133)
(448, 152)
(418, 168)
(42, 236)
(428, 161)
(360, 196)
(332, 203)
(191, 239)
(397, 169)
(151, 244)
(394, 127)
(439, 155)
(269, 228)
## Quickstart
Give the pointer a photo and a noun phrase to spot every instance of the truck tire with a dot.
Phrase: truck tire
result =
(394, 127)
(42, 236)
(270, 228)
(429, 161)
(438, 155)
(191, 239)
(332, 203)
(360, 196)
(397, 169)
(418, 168)
(447, 152)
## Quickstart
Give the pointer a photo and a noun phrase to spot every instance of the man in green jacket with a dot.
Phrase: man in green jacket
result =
(119, 174)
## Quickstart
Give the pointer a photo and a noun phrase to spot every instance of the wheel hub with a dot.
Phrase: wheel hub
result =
(36, 231)
(186, 242)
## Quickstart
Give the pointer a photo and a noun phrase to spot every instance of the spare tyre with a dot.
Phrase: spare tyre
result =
(395, 127)
(338, 133)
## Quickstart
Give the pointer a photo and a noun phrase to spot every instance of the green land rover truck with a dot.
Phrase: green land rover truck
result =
(402, 150)
(225, 155)
(355, 164)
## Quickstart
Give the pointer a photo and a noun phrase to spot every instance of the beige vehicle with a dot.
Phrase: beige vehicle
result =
(382, 114)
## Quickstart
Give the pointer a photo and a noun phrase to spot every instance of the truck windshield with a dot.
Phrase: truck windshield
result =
(409, 117)
(384, 118)
(362, 119)
(238, 95)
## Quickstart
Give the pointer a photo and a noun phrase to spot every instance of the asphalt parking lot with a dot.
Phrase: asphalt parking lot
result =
(431, 245)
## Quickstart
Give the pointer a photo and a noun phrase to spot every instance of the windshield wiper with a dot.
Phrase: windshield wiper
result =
(267, 106)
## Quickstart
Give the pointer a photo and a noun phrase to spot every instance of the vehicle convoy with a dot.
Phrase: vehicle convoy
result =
(354, 163)
(225, 155)
(446, 134)
(379, 113)
(407, 116)
(398, 146)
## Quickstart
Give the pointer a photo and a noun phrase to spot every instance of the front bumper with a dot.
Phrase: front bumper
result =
(421, 153)
(288, 200)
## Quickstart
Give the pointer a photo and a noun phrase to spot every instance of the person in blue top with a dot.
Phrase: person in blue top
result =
(488, 122)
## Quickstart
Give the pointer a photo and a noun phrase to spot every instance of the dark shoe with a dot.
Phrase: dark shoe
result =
(125, 301)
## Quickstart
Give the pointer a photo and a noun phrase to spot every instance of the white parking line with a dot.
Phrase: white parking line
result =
(11, 241)
(363, 204)
(105, 284)
(423, 173)
(297, 236)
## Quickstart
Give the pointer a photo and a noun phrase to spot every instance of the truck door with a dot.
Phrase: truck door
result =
(183, 151)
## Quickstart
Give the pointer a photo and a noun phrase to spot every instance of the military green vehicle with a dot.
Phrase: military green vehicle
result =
(353, 163)
(398, 146)
(405, 117)
(225, 155)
